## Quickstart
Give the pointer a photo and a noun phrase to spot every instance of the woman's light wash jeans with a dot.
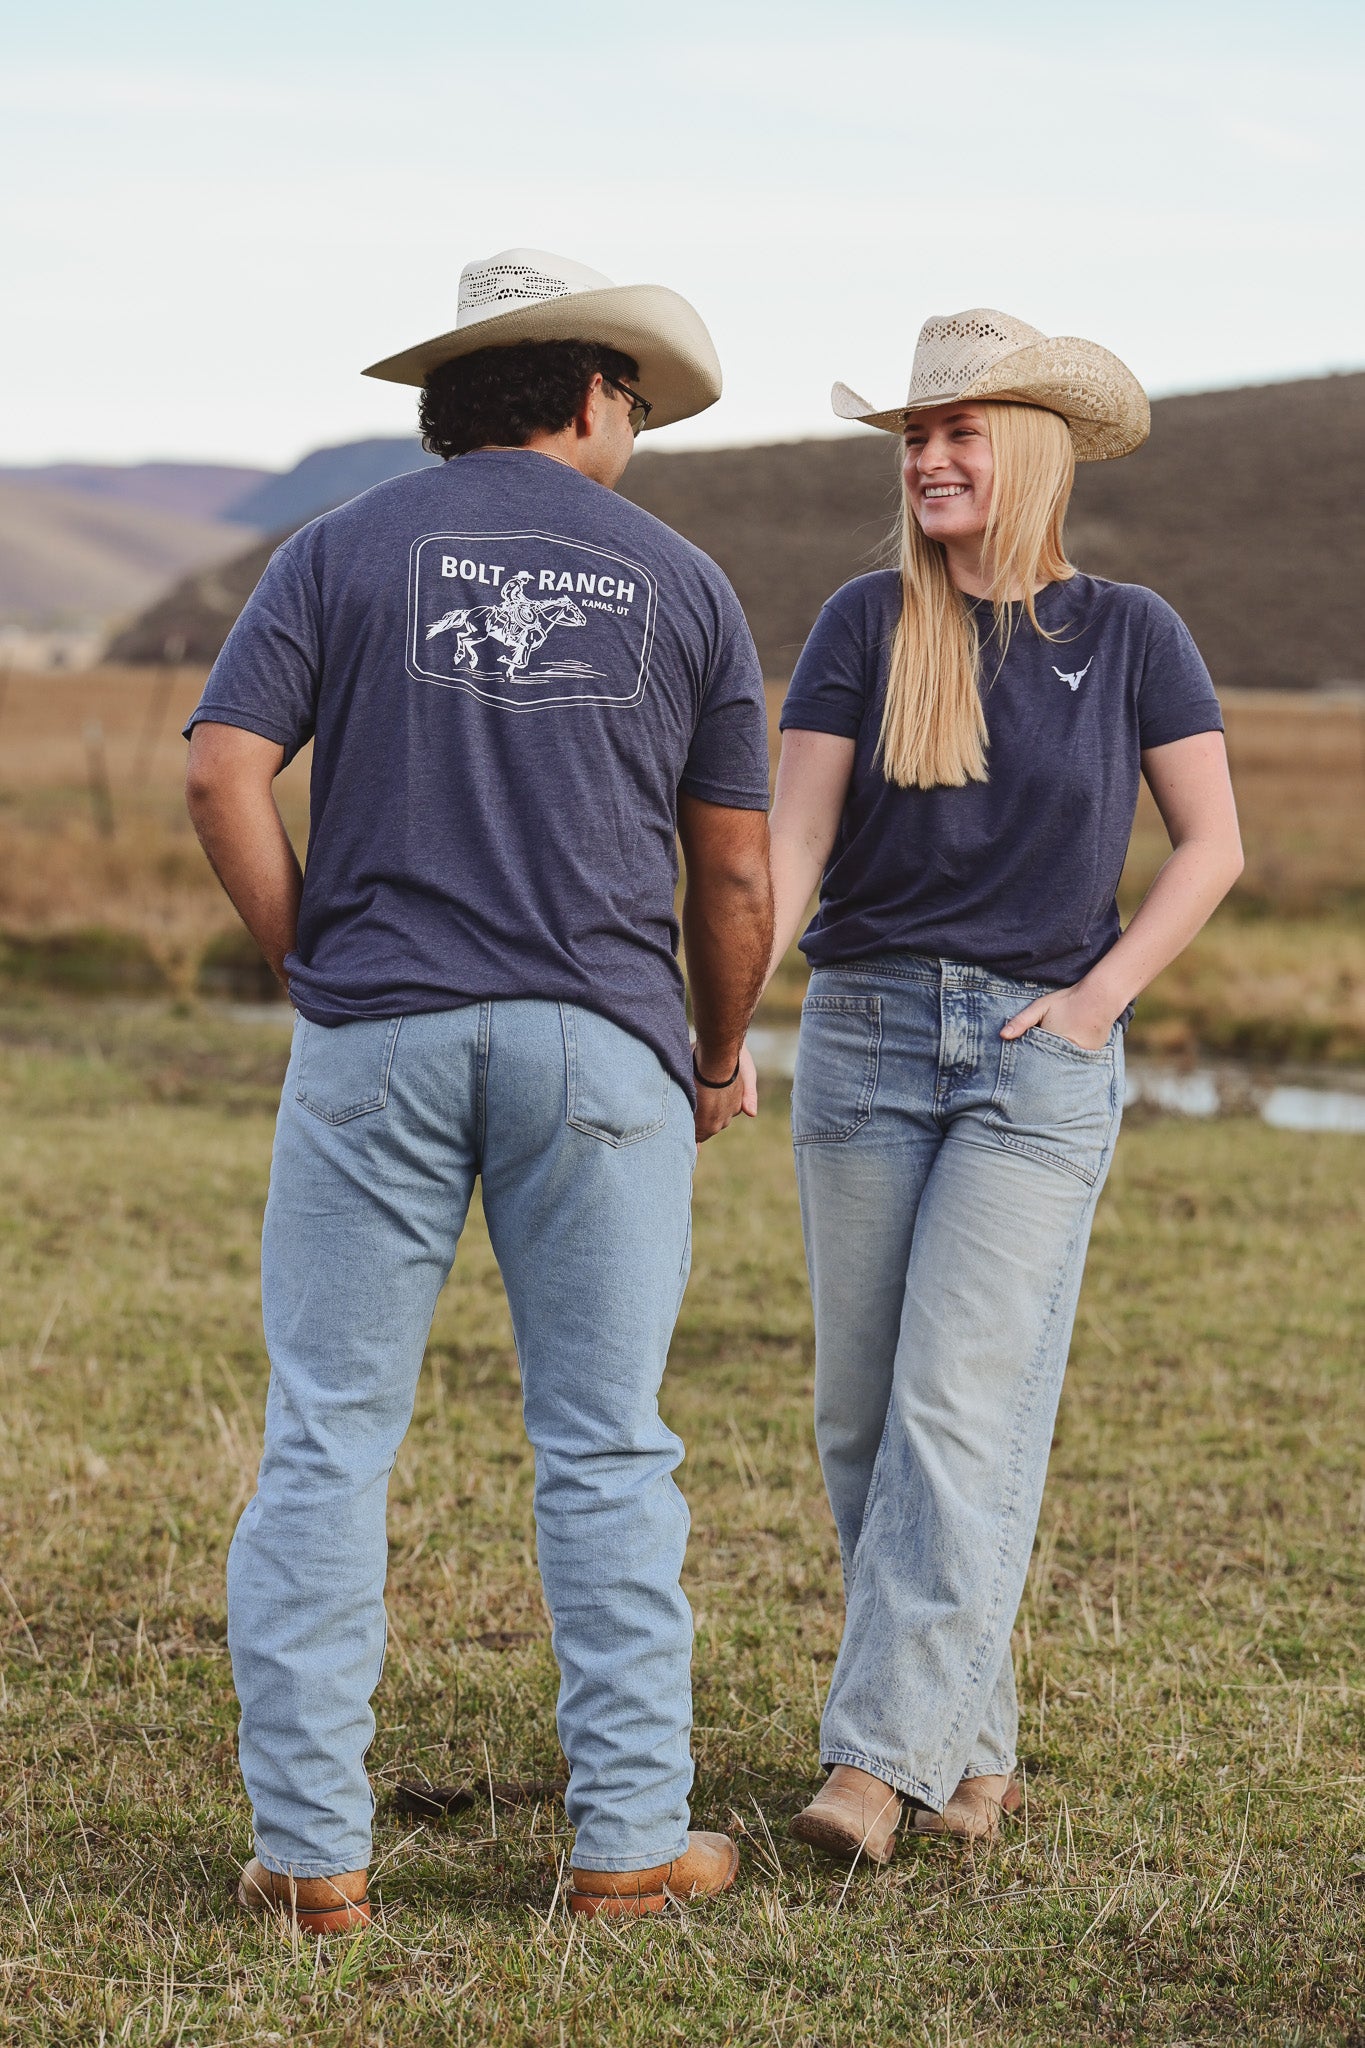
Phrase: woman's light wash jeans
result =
(948, 1180)
(586, 1149)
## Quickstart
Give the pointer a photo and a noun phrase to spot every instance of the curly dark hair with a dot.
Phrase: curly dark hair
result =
(501, 396)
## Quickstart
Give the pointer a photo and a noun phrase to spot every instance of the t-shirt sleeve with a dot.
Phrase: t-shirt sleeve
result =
(727, 762)
(266, 678)
(1176, 697)
(828, 691)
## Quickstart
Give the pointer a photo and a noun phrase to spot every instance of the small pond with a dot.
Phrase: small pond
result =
(1290, 1098)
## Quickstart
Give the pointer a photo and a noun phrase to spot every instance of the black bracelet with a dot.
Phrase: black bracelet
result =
(719, 1086)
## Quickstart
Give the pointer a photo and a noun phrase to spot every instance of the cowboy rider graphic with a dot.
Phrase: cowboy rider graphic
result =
(515, 611)
(514, 619)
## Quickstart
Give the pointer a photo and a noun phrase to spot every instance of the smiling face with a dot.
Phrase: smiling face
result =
(949, 470)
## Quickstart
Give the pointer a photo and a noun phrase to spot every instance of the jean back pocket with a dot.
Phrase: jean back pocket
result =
(343, 1069)
(837, 1056)
(617, 1085)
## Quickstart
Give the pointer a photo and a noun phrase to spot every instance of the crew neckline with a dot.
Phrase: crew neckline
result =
(1041, 597)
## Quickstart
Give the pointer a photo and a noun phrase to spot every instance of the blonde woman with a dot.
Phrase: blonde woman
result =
(963, 739)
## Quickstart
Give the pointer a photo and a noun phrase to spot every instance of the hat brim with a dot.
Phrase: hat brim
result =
(656, 327)
(1098, 396)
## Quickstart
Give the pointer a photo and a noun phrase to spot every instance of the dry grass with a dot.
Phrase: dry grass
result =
(1190, 1648)
(1279, 973)
(93, 832)
(1298, 764)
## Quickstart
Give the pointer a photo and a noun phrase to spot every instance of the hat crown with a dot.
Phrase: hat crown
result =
(954, 349)
(520, 277)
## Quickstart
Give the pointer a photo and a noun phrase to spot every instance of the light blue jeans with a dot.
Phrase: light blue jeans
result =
(586, 1149)
(948, 1181)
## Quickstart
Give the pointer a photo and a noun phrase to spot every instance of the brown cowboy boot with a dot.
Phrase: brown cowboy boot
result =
(315, 1905)
(974, 1812)
(707, 1866)
(853, 1814)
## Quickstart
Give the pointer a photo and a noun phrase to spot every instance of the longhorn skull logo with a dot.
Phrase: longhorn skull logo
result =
(1074, 680)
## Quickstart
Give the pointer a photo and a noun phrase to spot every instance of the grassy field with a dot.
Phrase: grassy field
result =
(1191, 1867)
(103, 886)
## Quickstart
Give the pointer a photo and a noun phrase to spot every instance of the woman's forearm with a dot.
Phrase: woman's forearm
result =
(1179, 903)
(796, 877)
(812, 783)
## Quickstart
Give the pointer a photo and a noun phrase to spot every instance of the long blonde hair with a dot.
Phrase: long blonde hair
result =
(933, 723)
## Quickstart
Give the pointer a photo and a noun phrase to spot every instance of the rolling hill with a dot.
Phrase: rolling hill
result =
(325, 478)
(75, 558)
(196, 490)
(1245, 510)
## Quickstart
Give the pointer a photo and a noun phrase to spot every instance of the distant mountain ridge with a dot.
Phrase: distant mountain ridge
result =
(88, 543)
(327, 477)
(1244, 510)
(74, 558)
(196, 490)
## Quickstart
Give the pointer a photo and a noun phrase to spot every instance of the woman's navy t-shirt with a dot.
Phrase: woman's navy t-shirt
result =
(1018, 873)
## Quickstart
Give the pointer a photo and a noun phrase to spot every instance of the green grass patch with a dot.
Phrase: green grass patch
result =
(87, 962)
(1192, 1864)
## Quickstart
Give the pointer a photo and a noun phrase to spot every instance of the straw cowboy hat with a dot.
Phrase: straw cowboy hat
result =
(529, 295)
(985, 354)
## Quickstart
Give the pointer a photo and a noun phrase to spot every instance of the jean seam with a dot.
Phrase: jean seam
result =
(870, 1499)
(302, 1872)
(864, 972)
(483, 1055)
(877, 1767)
(618, 1866)
(1085, 1175)
(932, 974)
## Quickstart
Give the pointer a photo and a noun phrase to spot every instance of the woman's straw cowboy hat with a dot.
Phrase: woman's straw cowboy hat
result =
(985, 354)
(529, 295)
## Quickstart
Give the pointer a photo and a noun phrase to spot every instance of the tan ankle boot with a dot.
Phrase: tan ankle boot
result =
(853, 1814)
(975, 1810)
(707, 1866)
(315, 1905)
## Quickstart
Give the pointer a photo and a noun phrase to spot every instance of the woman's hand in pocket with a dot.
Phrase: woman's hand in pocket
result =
(1070, 1013)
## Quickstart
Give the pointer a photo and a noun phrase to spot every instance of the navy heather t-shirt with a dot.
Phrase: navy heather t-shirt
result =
(508, 673)
(1018, 873)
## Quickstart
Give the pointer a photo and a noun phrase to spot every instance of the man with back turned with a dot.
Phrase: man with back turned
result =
(521, 691)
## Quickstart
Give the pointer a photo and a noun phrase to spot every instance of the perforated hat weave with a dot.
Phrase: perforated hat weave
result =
(512, 279)
(529, 295)
(985, 354)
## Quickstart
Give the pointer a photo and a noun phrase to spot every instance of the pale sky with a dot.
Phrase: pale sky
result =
(213, 215)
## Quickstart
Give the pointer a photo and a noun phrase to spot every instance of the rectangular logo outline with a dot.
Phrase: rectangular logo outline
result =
(504, 703)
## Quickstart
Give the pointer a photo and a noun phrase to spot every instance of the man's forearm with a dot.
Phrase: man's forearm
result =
(243, 835)
(727, 932)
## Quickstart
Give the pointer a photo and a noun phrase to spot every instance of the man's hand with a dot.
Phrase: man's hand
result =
(1073, 1013)
(716, 1108)
(727, 931)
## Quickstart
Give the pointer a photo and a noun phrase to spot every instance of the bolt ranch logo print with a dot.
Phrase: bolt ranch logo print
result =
(527, 621)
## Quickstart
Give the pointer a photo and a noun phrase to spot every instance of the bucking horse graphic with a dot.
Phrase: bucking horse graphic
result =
(519, 623)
